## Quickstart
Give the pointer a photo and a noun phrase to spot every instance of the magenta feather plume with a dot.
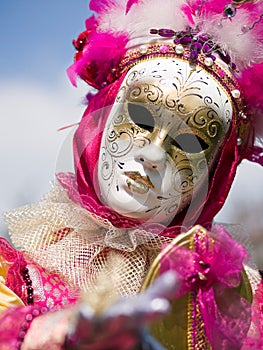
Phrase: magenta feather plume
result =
(121, 24)
(130, 3)
(101, 5)
(102, 53)
(251, 82)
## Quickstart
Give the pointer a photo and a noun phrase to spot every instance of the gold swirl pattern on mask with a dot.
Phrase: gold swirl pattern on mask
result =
(217, 71)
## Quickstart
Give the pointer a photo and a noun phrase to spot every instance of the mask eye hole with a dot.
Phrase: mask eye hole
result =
(141, 116)
(190, 143)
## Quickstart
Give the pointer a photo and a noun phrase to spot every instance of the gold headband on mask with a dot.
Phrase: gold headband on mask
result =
(218, 71)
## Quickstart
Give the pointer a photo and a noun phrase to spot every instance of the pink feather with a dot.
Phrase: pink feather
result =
(189, 14)
(207, 7)
(100, 6)
(103, 51)
(119, 22)
(91, 23)
(130, 3)
(251, 82)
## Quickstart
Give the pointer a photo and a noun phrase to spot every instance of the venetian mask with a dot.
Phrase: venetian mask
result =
(162, 139)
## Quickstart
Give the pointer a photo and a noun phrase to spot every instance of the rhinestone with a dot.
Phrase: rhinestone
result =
(196, 46)
(30, 299)
(206, 48)
(30, 290)
(186, 40)
(235, 93)
(29, 317)
(239, 141)
(230, 11)
(44, 310)
(164, 48)
(179, 49)
(193, 55)
(208, 61)
(22, 335)
(166, 33)
(104, 84)
(25, 326)
(213, 57)
(28, 282)
(143, 49)
(245, 29)
(35, 312)
(227, 58)
(233, 66)
(243, 115)
(203, 37)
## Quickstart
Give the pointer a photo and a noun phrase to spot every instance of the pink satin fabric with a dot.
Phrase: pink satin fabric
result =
(254, 341)
(213, 272)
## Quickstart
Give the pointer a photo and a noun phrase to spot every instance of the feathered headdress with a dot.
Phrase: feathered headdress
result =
(122, 32)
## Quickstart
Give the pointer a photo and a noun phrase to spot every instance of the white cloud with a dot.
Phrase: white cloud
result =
(29, 140)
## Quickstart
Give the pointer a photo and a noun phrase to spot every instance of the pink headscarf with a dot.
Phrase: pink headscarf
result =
(83, 187)
(100, 49)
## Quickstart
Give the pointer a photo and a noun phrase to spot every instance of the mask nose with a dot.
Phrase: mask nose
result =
(152, 157)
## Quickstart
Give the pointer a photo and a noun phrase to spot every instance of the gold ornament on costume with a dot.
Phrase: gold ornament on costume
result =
(183, 327)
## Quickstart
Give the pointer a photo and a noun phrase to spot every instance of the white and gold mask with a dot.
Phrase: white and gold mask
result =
(161, 139)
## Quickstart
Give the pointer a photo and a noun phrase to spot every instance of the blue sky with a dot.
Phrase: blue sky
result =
(36, 37)
(36, 99)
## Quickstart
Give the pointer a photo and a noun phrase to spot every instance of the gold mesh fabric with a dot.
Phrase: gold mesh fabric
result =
(242, 236)
(67, 239)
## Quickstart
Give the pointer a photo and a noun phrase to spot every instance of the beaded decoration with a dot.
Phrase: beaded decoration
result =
(201, 31)
(28, 283)
(29, 317)
(201, 59)
(197, 43)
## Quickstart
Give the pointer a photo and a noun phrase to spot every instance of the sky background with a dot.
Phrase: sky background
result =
(36, 99)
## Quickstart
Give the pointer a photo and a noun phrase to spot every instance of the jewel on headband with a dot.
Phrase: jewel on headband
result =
(230, 11)
(246, 28)
(197, 43)
(201, 32)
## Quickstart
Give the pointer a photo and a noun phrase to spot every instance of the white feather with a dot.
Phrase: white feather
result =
(243, 48)
(142, 17)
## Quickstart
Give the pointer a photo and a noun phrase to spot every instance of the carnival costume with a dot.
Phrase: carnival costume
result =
(178, 106)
